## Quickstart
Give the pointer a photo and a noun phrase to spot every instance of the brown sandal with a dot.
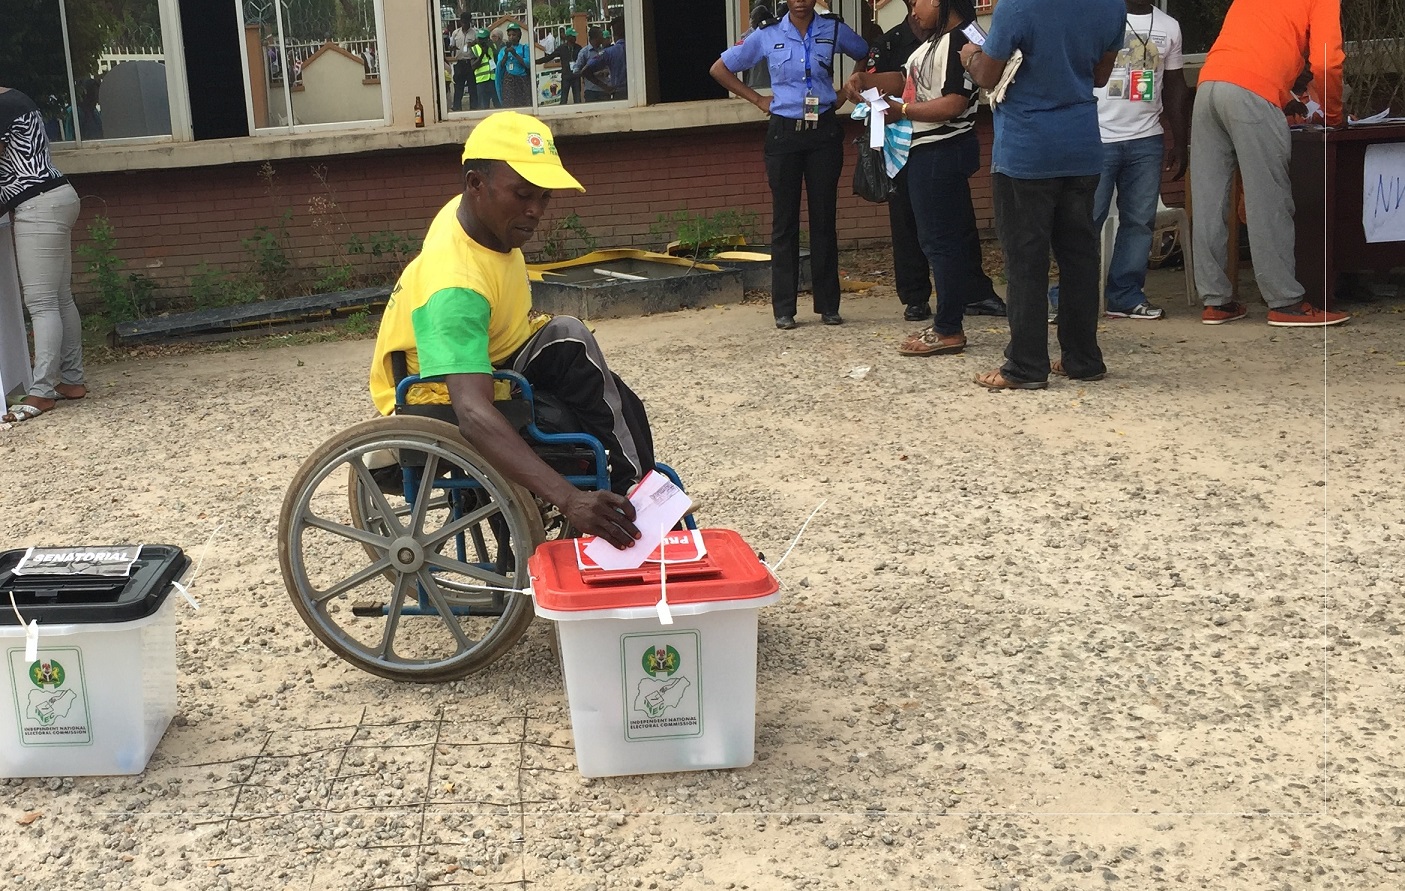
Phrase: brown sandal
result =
(994, 380)
(1057, 367)
(928, 342)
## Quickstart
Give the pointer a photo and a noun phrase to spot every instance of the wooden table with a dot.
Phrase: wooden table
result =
(1326, 169)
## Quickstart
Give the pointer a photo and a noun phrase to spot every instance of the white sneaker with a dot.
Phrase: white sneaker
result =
(1143, 311)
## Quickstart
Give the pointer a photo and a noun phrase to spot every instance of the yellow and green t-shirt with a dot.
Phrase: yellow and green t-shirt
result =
(458, 308)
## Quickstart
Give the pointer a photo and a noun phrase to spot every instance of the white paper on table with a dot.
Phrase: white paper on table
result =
(1376, 118)
(658, 506)
(1383, 193)
(876, 106)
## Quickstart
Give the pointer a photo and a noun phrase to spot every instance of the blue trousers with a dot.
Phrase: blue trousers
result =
(1133, 169)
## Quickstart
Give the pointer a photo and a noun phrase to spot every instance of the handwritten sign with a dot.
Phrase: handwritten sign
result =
(1383, 193)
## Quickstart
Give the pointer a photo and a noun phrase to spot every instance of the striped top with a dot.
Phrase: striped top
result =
(26, 168)
(933, 71)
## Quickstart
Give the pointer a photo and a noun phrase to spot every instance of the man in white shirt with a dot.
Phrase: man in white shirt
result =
(462, 41)
(1146, 79)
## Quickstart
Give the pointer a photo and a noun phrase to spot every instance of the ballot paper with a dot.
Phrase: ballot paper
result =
(659, 503)
(876, 106)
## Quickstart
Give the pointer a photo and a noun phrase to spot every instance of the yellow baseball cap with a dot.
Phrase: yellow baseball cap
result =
(525, 144)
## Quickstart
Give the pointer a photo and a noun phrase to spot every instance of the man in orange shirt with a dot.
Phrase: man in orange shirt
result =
(1239, 121)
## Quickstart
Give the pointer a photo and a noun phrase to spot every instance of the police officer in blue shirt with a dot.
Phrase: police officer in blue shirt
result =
(804, 143)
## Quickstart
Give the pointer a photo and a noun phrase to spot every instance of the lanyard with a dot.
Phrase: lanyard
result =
(1146, 41)
(807, 42)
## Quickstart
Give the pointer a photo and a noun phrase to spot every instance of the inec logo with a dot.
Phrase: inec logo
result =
(661, 661)
(46, 673)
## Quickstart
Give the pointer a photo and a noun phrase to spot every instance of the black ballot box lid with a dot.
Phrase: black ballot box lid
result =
(78, 597)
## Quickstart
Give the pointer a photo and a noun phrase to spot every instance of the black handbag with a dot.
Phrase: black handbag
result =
(871, 180)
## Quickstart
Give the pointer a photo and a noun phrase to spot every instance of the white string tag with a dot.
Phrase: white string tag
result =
(185, 592)
(31, 631)
(795, 541)
(665, 614)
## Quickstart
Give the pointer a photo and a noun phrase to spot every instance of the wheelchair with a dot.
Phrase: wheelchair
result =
(405, 552)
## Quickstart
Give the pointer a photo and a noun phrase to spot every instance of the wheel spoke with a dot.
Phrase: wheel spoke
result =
(353, 580)
(446, 612)
(369, 485)
(426, 490)
(392, 618)
(454, 527)
(485, 576)
(381, 542)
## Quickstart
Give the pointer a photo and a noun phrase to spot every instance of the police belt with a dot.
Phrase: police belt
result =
(793, 124)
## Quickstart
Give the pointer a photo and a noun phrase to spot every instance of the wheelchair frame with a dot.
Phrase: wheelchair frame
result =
(466, 607)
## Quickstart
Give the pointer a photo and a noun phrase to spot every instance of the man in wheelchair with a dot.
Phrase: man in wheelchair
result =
(462, 309)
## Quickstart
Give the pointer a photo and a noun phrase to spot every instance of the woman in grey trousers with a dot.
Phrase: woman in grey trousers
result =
(45, 207)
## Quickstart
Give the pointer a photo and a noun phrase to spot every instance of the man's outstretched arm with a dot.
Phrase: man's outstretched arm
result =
(601, 513)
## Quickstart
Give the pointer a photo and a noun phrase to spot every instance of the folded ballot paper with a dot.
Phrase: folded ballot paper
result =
(659, 504)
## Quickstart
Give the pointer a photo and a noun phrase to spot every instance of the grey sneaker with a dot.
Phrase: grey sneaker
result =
(1143, 311)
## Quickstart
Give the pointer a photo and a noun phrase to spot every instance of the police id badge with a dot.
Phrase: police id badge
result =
(812, 107)
(1142, 85)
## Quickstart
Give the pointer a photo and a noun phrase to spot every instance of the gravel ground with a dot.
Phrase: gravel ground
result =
(1143, 633)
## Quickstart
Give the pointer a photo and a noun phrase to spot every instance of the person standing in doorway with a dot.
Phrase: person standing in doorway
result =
(596, 86)
(804, 145)
(45, 207)
(1239, 122)
(1045, 167)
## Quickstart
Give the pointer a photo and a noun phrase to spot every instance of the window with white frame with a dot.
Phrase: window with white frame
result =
(534, 56)
(97, 68)
(312, 62)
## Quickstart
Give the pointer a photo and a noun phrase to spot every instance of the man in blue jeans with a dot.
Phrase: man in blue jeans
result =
(1045, 166)
(1146, 78)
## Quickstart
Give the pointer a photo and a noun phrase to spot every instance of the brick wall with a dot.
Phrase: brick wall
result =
(170, 223)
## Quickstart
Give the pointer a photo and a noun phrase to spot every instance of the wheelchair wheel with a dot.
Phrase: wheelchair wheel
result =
(422, 588)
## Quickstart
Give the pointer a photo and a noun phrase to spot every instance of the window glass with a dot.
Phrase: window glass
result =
(116, 52)
(509, 54)
(313, 62)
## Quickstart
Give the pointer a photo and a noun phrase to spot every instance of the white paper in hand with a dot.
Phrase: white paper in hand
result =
(658, 506)
(876, 106)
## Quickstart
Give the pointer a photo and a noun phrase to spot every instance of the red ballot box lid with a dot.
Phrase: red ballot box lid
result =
(724, 568)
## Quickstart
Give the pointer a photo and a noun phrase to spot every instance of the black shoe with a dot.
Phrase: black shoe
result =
(831, 318)
(991, 306)
(785, 323)
(917, 312)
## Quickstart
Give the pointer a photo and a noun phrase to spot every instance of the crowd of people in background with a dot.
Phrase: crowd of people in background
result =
(1082, 92)
(498, 67)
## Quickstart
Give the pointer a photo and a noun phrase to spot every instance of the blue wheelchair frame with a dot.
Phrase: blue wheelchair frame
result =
(458, 483)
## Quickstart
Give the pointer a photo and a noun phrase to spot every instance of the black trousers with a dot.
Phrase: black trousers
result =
(463, 82)
(812, 157)
(1032, 216)
(564, 359)
(909, 263)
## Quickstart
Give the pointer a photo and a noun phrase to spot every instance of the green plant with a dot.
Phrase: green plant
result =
(359, 323)
(124, 297)
(704, 234)
(337, 277)
(272, 260)
(559, 235)
(388, 251)
(211, 288)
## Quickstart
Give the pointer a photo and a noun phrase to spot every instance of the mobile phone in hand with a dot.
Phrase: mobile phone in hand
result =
(974, 33)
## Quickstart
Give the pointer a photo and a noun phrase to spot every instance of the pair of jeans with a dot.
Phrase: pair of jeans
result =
(43, 228)
(1031, 217)
(910, 270)
(463, 80)
(938, 182)
(1133, 169)
(797, 155)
